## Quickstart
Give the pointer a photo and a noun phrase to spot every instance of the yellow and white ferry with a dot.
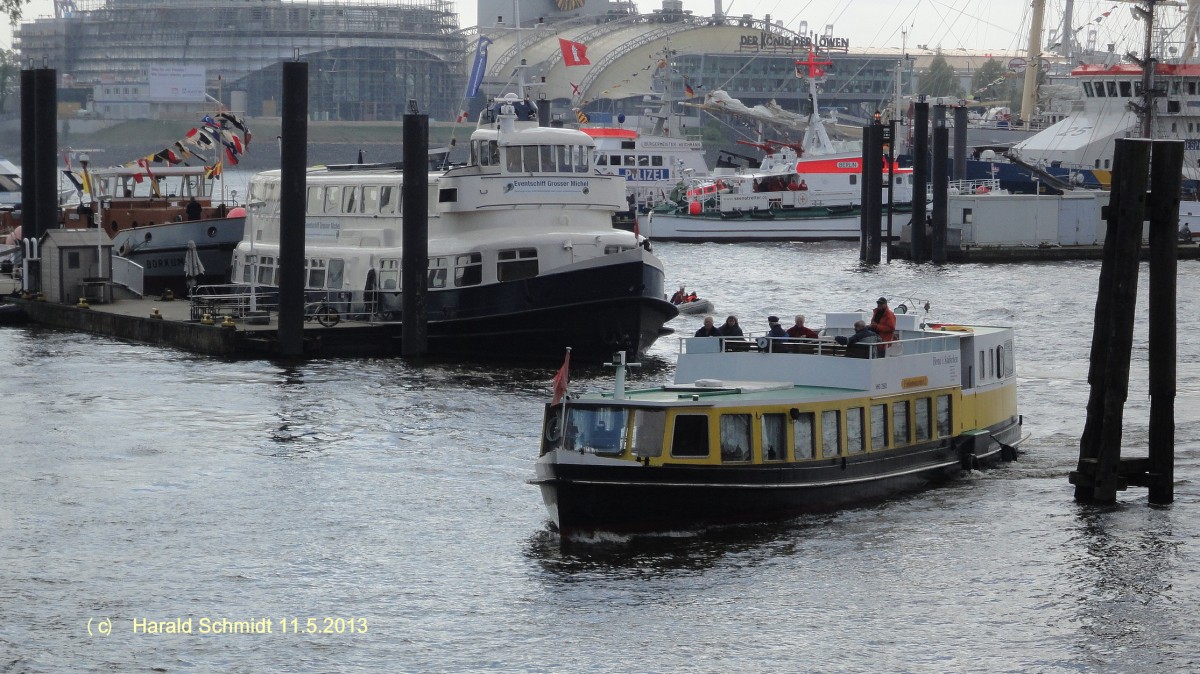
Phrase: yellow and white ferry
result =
(766, 429)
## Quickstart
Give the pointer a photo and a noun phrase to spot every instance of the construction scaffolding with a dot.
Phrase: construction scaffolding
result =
(367, 59)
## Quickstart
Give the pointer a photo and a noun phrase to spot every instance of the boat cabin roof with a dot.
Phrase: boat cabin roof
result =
(540, 135)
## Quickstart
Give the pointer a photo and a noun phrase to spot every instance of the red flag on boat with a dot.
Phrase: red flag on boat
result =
(561, 379)
(574, 53)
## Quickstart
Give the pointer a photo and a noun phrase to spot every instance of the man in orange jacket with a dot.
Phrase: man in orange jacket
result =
(883, 321)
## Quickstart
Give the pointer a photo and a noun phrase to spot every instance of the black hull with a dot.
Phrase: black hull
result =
(630, 499)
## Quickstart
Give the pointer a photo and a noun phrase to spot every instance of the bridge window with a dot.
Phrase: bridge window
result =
(337, 269)
(690, 438)
(468, 270)
(1087, 89)
(649, 426)
(656, 160)
(549, 163)
(314, 201)
(1111, 87)
(516, 264)
(735, 437)
(389, 196)
(831, 433)
(596, 430)
(774, 437)
(437, 272)
(529, 155)
(333, 199)
(350, 203)
(370, 199)
(1127, 87)
(802, 433)
(1100, 90)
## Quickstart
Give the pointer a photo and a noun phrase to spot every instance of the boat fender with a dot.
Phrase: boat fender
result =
(966, 457)
(1007, 452)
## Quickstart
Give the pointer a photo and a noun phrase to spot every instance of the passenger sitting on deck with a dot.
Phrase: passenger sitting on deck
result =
(708, 329)
(776, 330)
(731, 328)
(799, 330)
(803, 185)
(861, 334)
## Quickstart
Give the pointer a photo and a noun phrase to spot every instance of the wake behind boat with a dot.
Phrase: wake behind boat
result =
(523, 259)
(767, 429)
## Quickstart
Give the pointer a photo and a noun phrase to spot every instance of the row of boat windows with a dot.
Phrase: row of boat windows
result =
(790, 435)
(445, 271)
(629, 160)
(996, 363)
(1116, 89)
(532, 158)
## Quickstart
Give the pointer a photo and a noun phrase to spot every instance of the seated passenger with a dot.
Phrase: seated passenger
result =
(799, 330)
(862, 334)
(708, 329)
(776, 330)
(731, 328)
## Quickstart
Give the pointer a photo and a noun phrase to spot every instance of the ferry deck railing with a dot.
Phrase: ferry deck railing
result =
(824, 346)
(327, 306)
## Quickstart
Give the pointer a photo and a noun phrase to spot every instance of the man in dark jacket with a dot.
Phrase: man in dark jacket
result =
(708, 329)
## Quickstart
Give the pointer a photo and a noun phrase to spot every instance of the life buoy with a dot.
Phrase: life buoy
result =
(553, 428)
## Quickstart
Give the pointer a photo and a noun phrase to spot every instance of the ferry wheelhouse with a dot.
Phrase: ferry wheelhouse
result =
(766, 429)
(523, 259)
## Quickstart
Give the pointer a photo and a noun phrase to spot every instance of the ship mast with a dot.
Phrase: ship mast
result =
(1148, 63)
(1033, 63)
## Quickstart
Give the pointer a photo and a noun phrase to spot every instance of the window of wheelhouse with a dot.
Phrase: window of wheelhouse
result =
(316, 273)
(831, 433)
(899, 423)
(690, 436)
(516, 264)
(735, 438)
(944, 428)
(336, 272)
(333, 199)
(266, 270)
(1127, 89)
(921, 414)
(389, 274)
(879, 426)
(350, 200)
(1111, 87)
(529, 154)
(1087, 90)
(315, 201)
(598, 430)
(649, 426)
(803, 437)
(468, 270)
(370, 199)
(1099, 89)
(982, 366)
(438, 272)
(389, 197)
(549, 158)
(774, 437)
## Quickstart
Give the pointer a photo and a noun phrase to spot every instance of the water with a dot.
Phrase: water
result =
(145, 483)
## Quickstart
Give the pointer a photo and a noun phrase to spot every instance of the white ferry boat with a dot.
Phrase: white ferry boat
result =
(767, 429)
(523, 259)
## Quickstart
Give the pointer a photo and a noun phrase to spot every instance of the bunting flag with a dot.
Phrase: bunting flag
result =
(478, 67)
(238, 123)
(561, 379)
(145, 164)
(574, 89)
(213, 171)
(74, 181)
(581, 116)
(687, 89)
(574, 53)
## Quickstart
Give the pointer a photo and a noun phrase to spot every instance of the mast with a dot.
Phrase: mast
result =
(1193, 16)
(1067, 42)
(1033, 63)
(1148, 63)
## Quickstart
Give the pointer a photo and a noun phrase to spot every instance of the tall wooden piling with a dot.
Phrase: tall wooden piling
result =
(414, 264)
(872, 194)
(293, 160)
(917, 244)
(960, 142)
(1097, 477)
(1166, 177)
(941, 188)
(29, 222)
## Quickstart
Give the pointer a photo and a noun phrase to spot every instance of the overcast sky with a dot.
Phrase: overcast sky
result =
(988, 25)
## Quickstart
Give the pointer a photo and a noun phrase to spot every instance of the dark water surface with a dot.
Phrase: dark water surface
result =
(145, 484)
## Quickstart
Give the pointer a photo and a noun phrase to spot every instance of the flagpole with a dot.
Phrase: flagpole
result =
(562, 439)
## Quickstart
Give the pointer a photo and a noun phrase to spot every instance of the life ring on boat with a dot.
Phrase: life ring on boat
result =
(553, 428)
(801, 198)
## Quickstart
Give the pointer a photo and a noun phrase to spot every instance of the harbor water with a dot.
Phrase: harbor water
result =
(162, 512)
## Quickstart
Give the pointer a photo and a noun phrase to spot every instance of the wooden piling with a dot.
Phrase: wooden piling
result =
(1166, 177)
(293, 160)
(941, 188)
(917, 243)
(960, 142)
(29, 222)
(414, 264)
(1097, 477)
(872, 193)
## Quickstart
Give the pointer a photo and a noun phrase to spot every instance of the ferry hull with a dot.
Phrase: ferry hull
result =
(628, 499)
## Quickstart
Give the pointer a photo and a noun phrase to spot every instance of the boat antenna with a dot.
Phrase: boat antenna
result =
(620, 365)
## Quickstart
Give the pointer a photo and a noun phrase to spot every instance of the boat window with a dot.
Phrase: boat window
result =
(549, 163)
(1127, 89)
(802, 433)
(582, 156)
(1107, 163)
(73, 260)
(599, 430)
(337, 270)
(1100, 90)
(943, 416)
(1087, 89)
(643, 160)
(735, 437)
(853, 179)
(991, 363)
(494, 151)
(649, 426)
(614, 159)
(389, 274)
(1174, 87)
(1191, 88)
(602, 160)
(879, 426)
(350, 199)
(530, 157)
(476, 157)
(512, 157)
(691, 435)
(982, 365)
(516, 264)
(831, 433)
(448, 195)
(1008, 360)
(333, 199)
(468, 270)
(899, 423)
(855, 441)
(630, 160)
(774, 437)
(1111, 88)
(612, 249)
(1137, 89)
(389, 196)
(437, 272)
(313, 206)
(656, 160)
(370, 199)
(922, 418)
(316, 273)
(266, 270)
(566, 163)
